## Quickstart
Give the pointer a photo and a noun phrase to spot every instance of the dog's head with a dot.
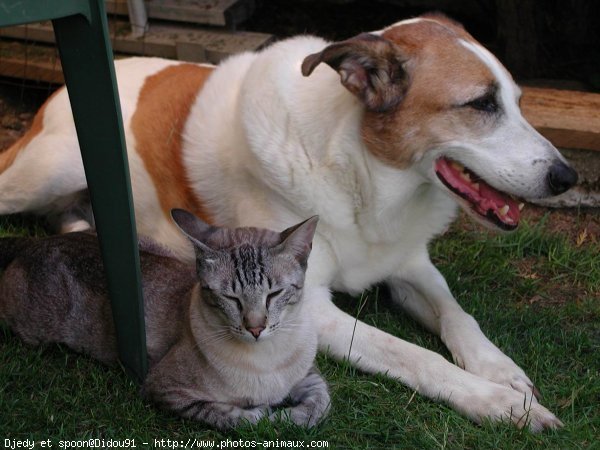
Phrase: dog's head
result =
(435, 100)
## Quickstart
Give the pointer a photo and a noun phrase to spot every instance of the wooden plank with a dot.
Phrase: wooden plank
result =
(116, 7)
(217, 44)
(35, 32)
(160, 40)
(39, 63)
(31, 70)
(187, 51)
(568, 119)
(202, 11)
(223, 13)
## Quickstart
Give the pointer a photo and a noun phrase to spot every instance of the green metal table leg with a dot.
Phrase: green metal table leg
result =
(87, 62)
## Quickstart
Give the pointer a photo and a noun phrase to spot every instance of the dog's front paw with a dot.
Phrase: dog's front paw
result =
(499, 404)
(476, 354)
(490, 363)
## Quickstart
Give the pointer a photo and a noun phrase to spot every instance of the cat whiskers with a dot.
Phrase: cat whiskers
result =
(218, 336)
(286, 326)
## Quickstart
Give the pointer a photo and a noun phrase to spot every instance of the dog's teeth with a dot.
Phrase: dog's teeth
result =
(504, 210)
(465, 176)
(475, 186)
(521, 206)
(457, 166)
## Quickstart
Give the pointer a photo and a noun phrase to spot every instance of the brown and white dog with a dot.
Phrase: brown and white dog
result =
(380, 135)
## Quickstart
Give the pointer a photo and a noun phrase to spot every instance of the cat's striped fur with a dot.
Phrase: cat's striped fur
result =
(227, 342)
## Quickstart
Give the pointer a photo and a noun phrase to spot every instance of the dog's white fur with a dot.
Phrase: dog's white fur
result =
(272, 148)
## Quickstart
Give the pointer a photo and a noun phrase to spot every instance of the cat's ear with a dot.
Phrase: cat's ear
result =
(297, 239)
(195, 229)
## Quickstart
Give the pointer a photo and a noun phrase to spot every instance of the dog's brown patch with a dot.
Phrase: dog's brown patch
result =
(443, 74)
(7, 157)
(162, 110)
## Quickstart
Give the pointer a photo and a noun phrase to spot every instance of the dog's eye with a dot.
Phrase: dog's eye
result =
(486, 103)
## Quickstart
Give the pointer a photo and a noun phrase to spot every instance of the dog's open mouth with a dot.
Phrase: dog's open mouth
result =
(499, 208)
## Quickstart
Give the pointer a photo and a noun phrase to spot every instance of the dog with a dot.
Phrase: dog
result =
(383, 135)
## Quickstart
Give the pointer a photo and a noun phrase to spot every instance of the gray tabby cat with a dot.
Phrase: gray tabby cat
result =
(227, 342)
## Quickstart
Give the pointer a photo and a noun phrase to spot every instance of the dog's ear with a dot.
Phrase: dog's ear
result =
(370, 67)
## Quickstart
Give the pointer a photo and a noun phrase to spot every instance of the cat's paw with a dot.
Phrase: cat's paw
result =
(225, 416)
(254, 414)
(300, 415)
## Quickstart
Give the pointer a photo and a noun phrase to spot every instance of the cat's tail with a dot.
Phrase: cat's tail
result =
(10, 247)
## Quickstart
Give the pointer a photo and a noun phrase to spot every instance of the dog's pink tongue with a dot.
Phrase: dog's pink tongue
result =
(481, 195)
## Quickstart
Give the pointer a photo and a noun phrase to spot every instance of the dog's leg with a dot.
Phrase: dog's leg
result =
(423, 292)
(372, 350)
(74, 214)
(44, 177)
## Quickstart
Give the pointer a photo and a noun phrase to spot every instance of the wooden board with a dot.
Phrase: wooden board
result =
(33, 70)
(224, 13)
(568, 119)
(29, 62)
(166, 41)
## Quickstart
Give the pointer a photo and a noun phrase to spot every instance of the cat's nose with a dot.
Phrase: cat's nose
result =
(255, 331)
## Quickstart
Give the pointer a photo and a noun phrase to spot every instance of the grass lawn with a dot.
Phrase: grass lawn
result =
(534, 292)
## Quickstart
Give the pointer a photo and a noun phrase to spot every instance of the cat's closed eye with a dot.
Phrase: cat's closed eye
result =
(272, 296)
(209, 297)
(234, 299)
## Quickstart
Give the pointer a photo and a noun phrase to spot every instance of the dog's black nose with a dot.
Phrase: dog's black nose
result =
(561, 178)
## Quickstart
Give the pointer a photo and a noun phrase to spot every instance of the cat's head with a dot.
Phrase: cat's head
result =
(251, 278)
